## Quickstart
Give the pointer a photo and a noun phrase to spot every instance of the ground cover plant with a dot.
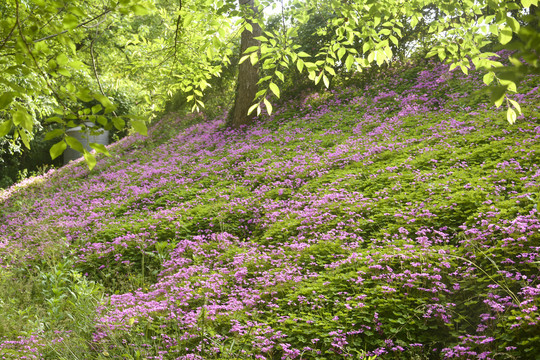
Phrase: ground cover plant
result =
(397, 220)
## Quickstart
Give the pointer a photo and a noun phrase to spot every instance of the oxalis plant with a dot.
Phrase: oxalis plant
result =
(75, 53)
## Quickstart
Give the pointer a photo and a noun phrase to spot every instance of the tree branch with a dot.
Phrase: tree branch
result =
(78, 26)
(21, 33)
(10, 33)
(177, 29)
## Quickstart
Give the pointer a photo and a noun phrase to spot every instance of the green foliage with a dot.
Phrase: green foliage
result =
(75, 56)
(53, 300)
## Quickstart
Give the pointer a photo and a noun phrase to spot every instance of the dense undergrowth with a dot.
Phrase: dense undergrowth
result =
(399, 220)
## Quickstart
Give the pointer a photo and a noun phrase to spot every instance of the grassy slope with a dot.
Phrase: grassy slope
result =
(398, 220)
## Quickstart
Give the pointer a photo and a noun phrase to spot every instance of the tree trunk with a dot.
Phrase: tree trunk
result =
(248, 75)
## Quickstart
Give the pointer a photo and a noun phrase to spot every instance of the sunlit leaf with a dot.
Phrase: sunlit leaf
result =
(5, 127)
(22, 118)
(54, 133)
(6, 99)
(24, 138)
(516, 105)
(57, 149)
(140, 127)
(252, 108)
(505, 35)
(498, 95)
(511, 116)
(513, 23)
(341, 52)
(74, 143)
(275, 89)
(300, 65)
(96, 108)
(62, 59)
(488, 78)
(100, 148)
(268, 106)
(529, 3)
(90, 159)
(349, 62)
(70, 21)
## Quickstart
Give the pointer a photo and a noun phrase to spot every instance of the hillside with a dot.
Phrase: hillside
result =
(396, 219)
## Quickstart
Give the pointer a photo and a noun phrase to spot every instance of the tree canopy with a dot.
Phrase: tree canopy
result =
(63, 62)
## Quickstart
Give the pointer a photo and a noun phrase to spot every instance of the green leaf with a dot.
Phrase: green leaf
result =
(529, 3)
(275, 89)
(243, 58)
(54, 133)
(303, 54)
(104, 100)
(442, 53)
(326, 81)
(381, 57)
(64, 72)
(70, 21)
(85, 95)
(5, 128)
(140, 10)
(318, 78)
(268, 106)
(414, 22)
(511, 116)
(366, 47)
(62, 59)
(102, 120)
(252, 108)
(74, 144)
(100, 148)
(505, 35)
(488, 78)
(516, 105)
(6, 99)
(76, 64)
(254, 57)
(24, 137)
(341, 52)
(498, 95)
(139, 126)
(24, 119)
(388, 52)
(251, 49)
(513, 23)
(96, 108)
(510, 85)
(300, 65)
(118, 123)
(90, 159)
(57, 149)
(55, 119)
(349, 62)
(371, 57)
